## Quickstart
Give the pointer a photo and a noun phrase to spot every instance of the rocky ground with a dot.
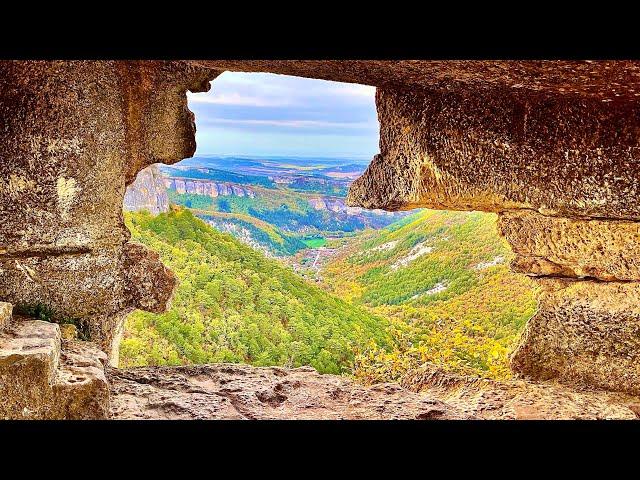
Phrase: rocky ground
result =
(521, 400)
(229, 391)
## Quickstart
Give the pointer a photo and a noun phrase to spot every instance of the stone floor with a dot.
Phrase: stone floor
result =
(229, 391)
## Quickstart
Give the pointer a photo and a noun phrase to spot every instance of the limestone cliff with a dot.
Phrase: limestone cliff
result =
(147, 192)
(208, 188)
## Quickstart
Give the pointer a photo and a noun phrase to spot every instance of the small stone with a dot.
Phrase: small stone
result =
(69, 331)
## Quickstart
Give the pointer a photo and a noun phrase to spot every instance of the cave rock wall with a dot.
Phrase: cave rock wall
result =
(552, 147)
(74, 135)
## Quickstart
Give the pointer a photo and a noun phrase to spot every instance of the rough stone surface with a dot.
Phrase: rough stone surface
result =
(74, 135)
(29, 355)
(467, 150)
(81, 390)
(585, 332)
(552, 246)
(604, 80)
(147, 192)
(43, 378)
(521, 400)
(5, 314)
(557, 138)
(150, 285)
(228, 391)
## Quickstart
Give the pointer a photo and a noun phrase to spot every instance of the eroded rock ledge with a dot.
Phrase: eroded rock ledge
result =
(230, 391)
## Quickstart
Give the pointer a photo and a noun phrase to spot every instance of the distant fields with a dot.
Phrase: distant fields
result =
(315, 242)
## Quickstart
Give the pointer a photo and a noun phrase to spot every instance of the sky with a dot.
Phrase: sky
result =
(266, 114)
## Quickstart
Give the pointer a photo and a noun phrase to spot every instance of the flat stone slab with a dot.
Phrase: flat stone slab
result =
(29, 357)
(33, 339)
(42, 377)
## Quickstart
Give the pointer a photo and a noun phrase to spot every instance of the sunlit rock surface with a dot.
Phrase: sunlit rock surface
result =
(75, 134)
(208, 188)
(147, 192)
(519, 399)
(229, 391)
(585, 332)
(44, 377)
(556, 246)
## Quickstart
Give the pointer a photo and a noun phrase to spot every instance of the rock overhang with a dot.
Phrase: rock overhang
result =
(611, 80)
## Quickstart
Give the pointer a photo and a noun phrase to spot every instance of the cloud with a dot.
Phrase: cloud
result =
(287, 114)
(291, 123)
(234, 98)
(354, 90)
(270, 90)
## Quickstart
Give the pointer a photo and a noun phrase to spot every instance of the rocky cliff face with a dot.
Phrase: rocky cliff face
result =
(147, 192)
(208, 188)
(70, 154)
(338, 205)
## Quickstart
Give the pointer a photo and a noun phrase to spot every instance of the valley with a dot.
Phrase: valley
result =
(280, 206)
(275, 269)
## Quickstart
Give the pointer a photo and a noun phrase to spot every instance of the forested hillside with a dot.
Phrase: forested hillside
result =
(262, 236)
(442, 280)
(235, 305)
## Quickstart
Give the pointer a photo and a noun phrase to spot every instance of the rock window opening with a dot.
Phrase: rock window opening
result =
(277, 269)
